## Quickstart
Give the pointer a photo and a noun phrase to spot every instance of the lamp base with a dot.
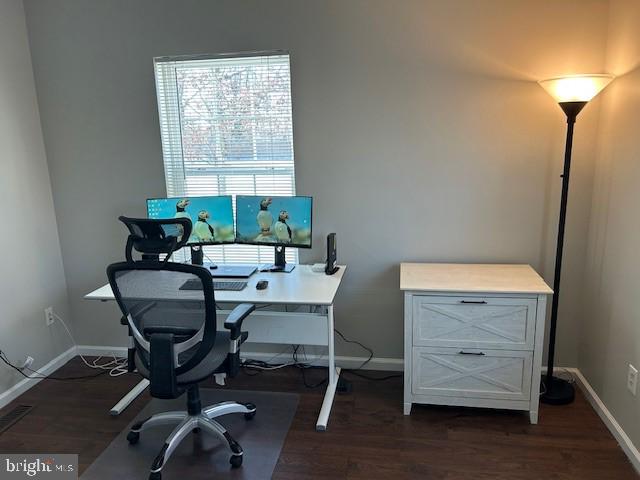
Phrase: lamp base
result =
(558, 392)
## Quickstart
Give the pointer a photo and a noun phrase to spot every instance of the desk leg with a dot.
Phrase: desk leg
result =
(129, 397)
(334, 375)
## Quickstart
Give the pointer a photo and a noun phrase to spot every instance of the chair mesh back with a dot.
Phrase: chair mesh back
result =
(170, 299)
(156, 236)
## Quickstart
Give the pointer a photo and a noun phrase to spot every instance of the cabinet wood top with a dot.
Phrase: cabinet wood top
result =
(479, 278)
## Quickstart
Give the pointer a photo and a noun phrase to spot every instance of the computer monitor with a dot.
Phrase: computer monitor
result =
(277, 221)
(212, 218)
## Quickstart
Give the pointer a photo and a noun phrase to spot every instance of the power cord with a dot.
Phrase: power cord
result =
(261, 365)
(374, 379)
(115, 367)
(311, 385)
(354, 371)
(364, 347)
(571, 379)
(303, 366)
(207, 256)
(42, 376)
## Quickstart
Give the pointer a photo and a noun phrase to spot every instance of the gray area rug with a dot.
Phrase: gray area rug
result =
(201, 456)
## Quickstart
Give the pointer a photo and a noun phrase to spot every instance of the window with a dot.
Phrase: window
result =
(226, 129)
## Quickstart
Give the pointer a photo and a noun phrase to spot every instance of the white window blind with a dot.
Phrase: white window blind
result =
(226, 129)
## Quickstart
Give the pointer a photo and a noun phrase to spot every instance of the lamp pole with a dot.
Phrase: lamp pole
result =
(572, 94)
(558, 391)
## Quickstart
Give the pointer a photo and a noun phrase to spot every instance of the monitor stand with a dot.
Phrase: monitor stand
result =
(197, 257)
(280, 265)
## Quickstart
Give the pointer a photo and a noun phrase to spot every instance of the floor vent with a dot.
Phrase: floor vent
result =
(13, 416)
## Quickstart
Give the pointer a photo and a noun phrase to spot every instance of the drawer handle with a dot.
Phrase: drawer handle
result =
(462, 352)
(472, 302)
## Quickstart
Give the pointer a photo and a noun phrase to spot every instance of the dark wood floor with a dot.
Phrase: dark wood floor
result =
(368, 437)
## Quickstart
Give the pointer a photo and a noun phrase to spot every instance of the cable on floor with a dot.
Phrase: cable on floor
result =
(41, 375)
(374, 379)
(303, 366)
(261, 365)
(115, 367)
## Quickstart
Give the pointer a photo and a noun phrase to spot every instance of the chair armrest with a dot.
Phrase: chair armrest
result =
(235, 318)
(236, 337)
(162, 373)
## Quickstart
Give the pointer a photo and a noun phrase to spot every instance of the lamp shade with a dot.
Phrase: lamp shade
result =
(576, 88)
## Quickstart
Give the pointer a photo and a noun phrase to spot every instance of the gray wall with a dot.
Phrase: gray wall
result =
(610, 338)
(31, 274)
(418, 128)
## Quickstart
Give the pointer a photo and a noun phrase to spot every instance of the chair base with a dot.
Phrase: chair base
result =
(188, 423)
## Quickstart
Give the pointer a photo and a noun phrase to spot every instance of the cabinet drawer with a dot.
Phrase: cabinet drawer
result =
(477, 322)
(471, 373)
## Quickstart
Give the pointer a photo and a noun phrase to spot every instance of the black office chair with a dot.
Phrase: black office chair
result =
(174, 332)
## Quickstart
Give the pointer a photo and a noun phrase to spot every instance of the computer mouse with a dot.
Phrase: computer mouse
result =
(262, 284)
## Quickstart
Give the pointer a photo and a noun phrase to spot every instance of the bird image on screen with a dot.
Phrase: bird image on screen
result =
(275, 221)
(202, 230)
(264, 219)
(281, 229)
(212, 217)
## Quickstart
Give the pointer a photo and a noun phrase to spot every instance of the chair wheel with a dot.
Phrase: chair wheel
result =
(250, 415)
(155, 476)
(235, 461)
(133, 437)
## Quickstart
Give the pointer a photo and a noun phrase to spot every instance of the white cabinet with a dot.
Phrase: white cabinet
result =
(473, 335)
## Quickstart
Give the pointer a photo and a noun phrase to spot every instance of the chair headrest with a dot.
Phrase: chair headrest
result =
(156, 236)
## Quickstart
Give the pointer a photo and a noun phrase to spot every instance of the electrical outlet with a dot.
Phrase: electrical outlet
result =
(49, 318)
(632, 379)
(27, 363)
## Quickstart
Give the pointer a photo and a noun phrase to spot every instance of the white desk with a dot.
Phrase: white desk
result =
(300, 287)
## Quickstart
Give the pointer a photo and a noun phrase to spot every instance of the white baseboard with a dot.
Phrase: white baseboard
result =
(376, 363)
(98, 351)
(603, 412)
(608, 419)
(25, 384)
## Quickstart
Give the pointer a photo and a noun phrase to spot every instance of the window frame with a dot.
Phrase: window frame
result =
(178, 171)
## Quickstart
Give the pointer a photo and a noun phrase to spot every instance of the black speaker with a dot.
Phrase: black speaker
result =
(332, 255)
(197, 255)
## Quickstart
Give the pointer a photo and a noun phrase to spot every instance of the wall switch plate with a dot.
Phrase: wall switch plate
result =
(632, 379)
(48, 316)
